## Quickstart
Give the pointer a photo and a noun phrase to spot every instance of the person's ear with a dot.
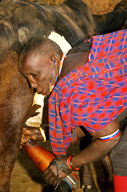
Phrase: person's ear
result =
(55, 59)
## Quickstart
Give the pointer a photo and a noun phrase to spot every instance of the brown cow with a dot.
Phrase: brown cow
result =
(19, 21)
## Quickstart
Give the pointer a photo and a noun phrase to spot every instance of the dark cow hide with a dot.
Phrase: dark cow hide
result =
(20, 21)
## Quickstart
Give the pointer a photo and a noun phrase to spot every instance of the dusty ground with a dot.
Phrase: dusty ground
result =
(25, 176)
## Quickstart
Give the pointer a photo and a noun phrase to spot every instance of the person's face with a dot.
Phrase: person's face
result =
(37, 69)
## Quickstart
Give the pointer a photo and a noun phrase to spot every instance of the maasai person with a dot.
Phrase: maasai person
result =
(90, 90)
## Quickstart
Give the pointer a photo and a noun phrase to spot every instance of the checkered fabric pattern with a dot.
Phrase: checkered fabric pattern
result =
(92, 95)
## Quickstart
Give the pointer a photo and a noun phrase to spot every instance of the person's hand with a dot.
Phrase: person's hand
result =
(57, 170)
(31, 133)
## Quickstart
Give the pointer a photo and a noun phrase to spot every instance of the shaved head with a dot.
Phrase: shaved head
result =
(39, 45)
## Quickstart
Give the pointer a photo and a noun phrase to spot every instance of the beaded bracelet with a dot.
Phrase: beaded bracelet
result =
(111, 136)
(69, 163)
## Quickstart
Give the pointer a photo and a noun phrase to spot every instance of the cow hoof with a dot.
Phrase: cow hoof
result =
(89, 188)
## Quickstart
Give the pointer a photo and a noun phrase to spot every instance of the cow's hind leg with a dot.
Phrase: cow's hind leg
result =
(15, 101)
(8, 154)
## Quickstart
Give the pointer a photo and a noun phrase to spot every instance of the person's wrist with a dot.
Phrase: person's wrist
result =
(69, 163)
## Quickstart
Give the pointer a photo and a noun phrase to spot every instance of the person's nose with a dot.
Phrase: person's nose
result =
(33, 82)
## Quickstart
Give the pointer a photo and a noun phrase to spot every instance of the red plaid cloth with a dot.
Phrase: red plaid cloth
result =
(92, 95)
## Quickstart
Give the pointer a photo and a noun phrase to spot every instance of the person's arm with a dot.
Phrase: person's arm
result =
(98, 148)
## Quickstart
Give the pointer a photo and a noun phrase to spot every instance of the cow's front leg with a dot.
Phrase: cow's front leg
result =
(86, 176)
(87, 181)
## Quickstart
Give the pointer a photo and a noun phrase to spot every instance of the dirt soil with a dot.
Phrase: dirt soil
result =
(25, 176)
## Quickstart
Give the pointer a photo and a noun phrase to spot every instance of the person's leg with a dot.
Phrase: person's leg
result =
(118, 157)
